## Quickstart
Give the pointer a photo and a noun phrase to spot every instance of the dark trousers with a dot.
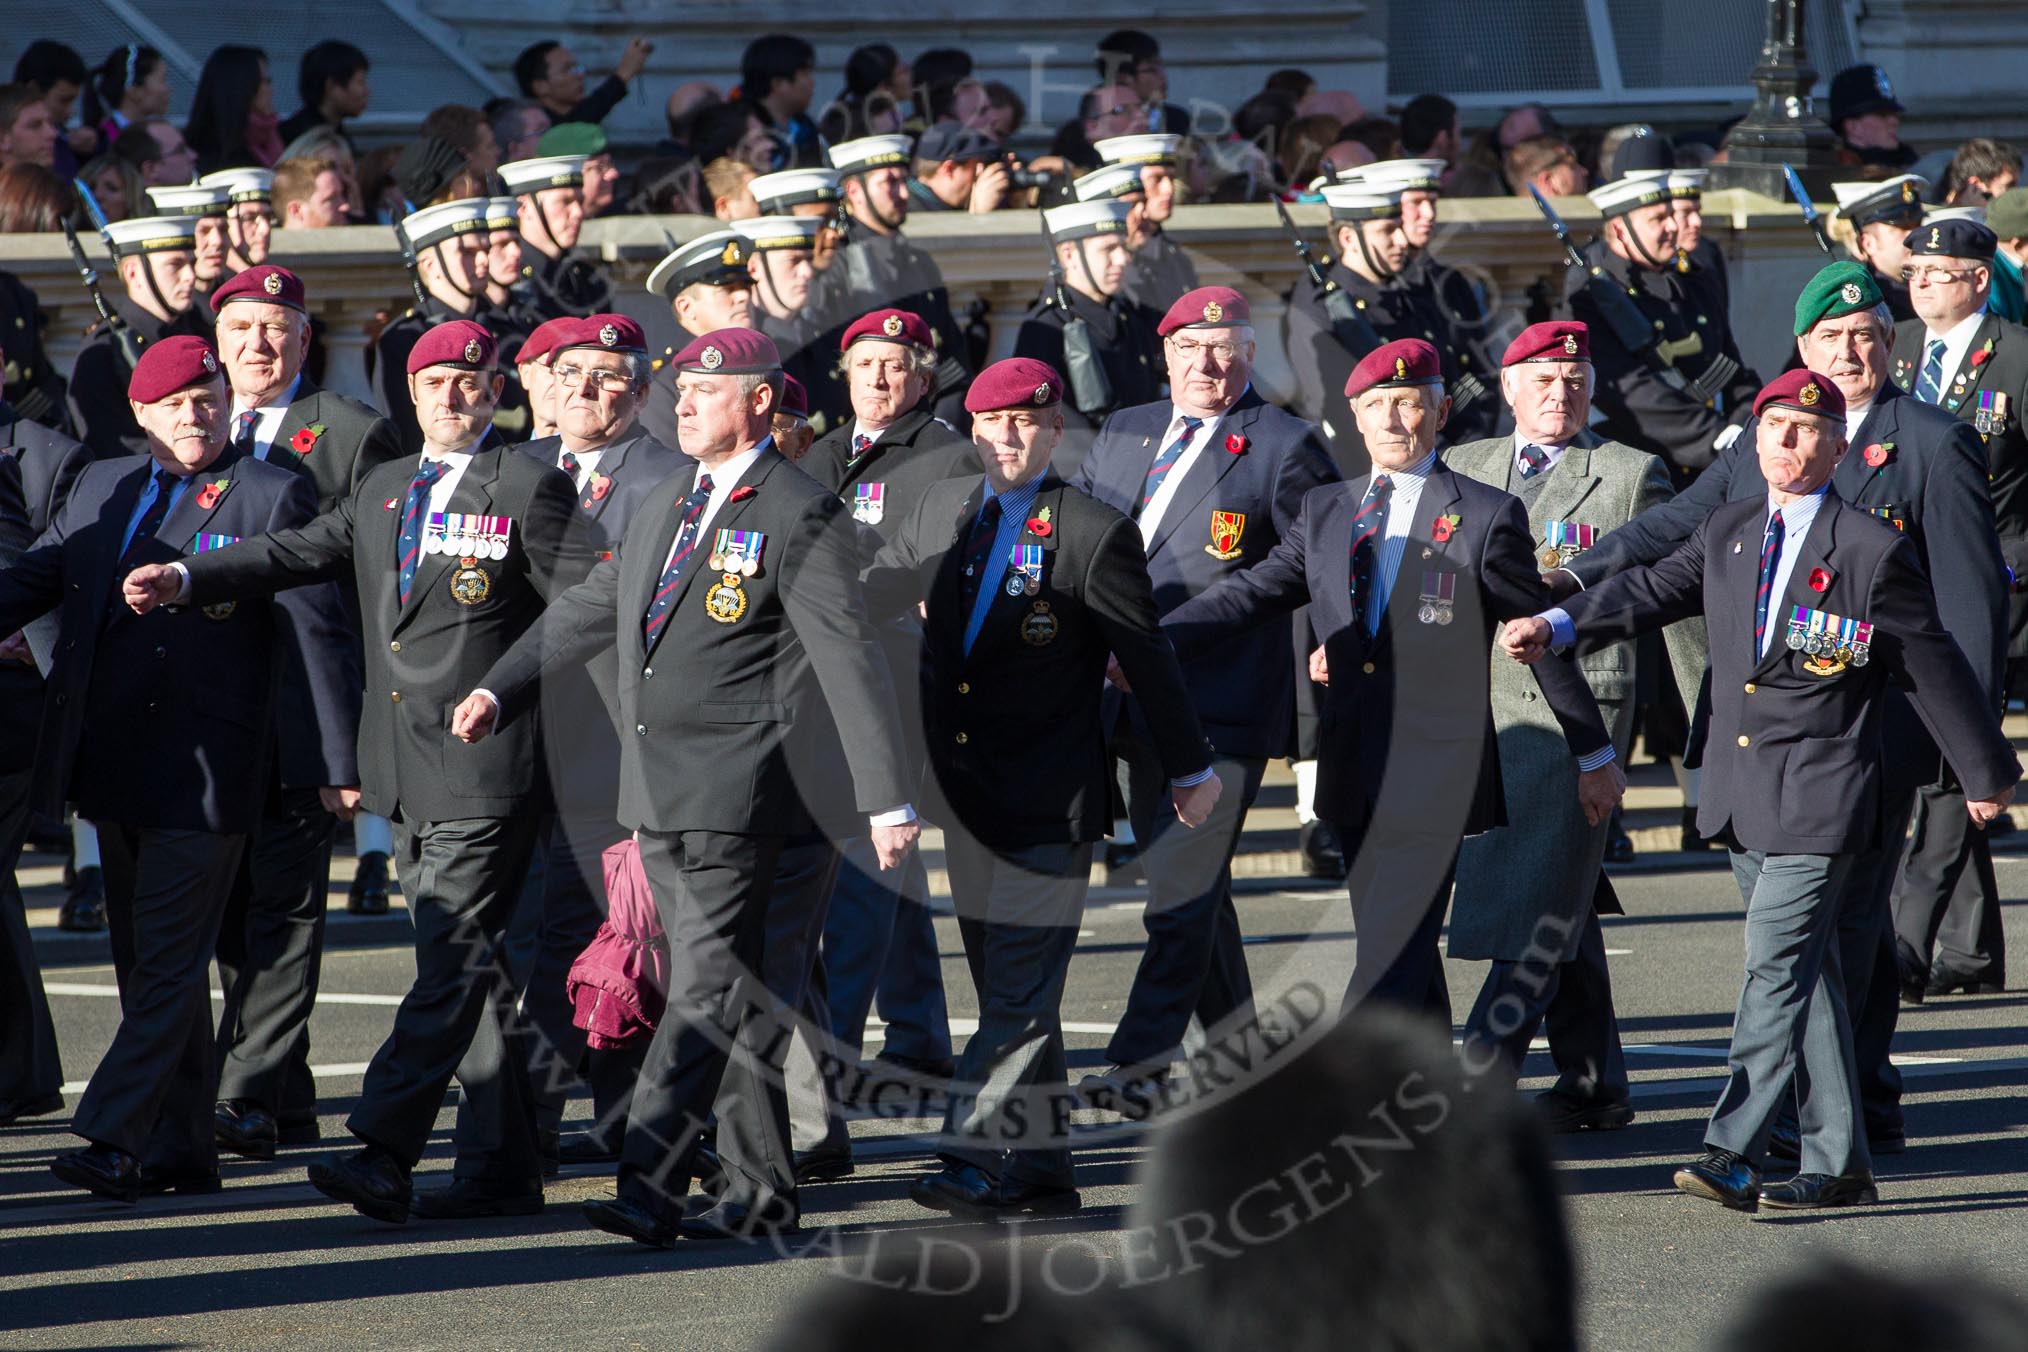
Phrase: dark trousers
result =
(754, 1146)
(1521, 995)
(270, 951)
(1947, 904)
(461, 878)
(29, 1068)
(569, 903)
(1398, 906)
(151, 1094)
(880, 945)
(1018, 911)
(1195, 961)
(713, 893)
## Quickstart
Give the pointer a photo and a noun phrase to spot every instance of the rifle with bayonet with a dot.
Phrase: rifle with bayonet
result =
(1090, 389)
(1811, 217)
(125, 341)
(1352, 330)
(1630, 328)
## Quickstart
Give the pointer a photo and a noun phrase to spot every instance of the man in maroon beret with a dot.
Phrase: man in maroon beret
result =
(532, 369)
(1212, 478)
(1406, 571)
(1527, 894)
(791, 425)
(163, 732)
(454, 552)
(733, 610)
(1813, 607)
(270, 946)
(1031, 590)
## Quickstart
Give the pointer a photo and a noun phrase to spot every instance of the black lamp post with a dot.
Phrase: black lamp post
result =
(1783, 126)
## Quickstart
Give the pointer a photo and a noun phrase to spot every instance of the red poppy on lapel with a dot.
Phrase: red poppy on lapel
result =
(601, 485)
(1820, 581)
(1039, 527)
(1441, 528)
(306, 438)
(742, 493)
(1979, 357)
(208, 496)
(1235, 443)
(1878, 454)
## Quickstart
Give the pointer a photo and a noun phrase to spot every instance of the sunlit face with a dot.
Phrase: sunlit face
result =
(884, 380)
(562, 84)
(714, 417)
(1208, 368)
(1158, 186)
(1943, 291)
(1418, 218)
(1551, 399)
(1798, 450)
(109, 185)
(1399, 423)
(177, 162)
(323, 208)
(1874, 131)
(882, 192)
(792, 435)
(1015, 444)
(553, 216)
(463, 258)
(251, 228)
(783, 278)
(1095, 263)
(596, 397)
(1386, 244)
(1852, 350)
(601, 177)
(32, 138)
(186, 430)
(503, 258)
(540, 383)
(262, 346)
(702, 307)
(1652, 228)
(1883, 245)
(175, 276)
(1689, 212)
(454, 406)
(211, 243)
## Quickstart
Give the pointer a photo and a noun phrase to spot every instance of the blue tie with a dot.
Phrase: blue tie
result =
(1930, 388)
(1770, 555)
(1165, 462)
(1533, 461)
(1367, 524)
(413, 511)
(151, 520)
(693, 507)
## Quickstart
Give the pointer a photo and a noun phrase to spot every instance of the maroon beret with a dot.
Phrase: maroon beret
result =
(795, 399)
(730, 352)
(891, 326)
(171, 364)
(1805, 390)
(457, 342)
(1208, 307)
(609, 333)
(1405, 361)
(1017, 382)
(1557, 340)
(543, 340)
(275, 286)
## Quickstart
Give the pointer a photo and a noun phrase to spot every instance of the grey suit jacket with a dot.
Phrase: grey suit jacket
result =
(1543, 866)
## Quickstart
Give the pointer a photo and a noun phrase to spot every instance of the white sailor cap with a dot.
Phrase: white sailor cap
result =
(1114, 180)
(1358, 201)
(1975, 214)
(718, 259)
(793, 187)
(781, 232)
(1143, 148)
(1688, 184)
(544, 171)
(433, 225)
(189, 199)
(871, 152)
(242, 185)
(151, 234)
(1642, 188)
(1080, 220)
(1897, 198)
(503, 213)
(1399, 176)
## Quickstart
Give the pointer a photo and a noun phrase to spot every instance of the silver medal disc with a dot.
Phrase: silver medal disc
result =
(1426, 613)
(1444, 614)
(1796, 640)
(749, 567)
(1015, 586)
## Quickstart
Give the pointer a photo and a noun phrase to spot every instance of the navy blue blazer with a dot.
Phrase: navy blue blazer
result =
(1236, 502)
(1794, 764)
(170, 719)
(34, 484)
(1406, 729)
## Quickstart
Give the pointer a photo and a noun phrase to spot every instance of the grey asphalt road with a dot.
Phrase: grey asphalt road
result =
(270, 1264)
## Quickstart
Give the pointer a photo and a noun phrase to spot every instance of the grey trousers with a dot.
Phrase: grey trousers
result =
(1195, 961)
(1018, 912)
(1791, 1003)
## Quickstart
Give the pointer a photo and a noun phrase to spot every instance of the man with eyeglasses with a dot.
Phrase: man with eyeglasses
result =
(601, 371)
(1212, 478)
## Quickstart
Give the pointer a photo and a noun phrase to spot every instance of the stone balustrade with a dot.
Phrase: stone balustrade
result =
(354, 273)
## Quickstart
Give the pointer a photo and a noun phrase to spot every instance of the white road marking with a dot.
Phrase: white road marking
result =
(88, 988)
(332, 1072)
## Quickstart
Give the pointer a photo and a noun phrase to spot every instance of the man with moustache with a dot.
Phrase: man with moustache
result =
(156, 256)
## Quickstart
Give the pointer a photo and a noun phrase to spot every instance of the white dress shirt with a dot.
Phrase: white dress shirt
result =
(1957, 346)
(1165, 492)
(1393, 541)
(268, 418)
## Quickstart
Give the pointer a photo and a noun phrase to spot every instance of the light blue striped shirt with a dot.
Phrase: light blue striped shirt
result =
(147, 500)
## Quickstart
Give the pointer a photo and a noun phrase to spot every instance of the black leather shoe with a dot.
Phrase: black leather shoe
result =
(625, 1219)
(100, 1170)
(242, 1127)
(370, 1181)
(953, 1186)
(13, 1110)
(1564, 1113)
(1009, 1199)
(84, 910)
(469, 1198)
(1785, 1143)
(586, 1147)
(368, 895)
(300, 1129)
(929, 1068)
(730, 1220)
(1723, 1177)
(1886, 1140)
(1808, 1192)
(185, 1182)
(825, 1164)
(1134, 1094)
(1123, 864)
(1690, 841)
(1619, 845)
(1323, 853)
(1943, 981)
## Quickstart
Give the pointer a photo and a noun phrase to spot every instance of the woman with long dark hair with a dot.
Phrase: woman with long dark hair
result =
(130, 85)
(232, 117)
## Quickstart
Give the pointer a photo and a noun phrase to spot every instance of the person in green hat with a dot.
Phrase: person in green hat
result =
(1922, 471)
(601, 175)
(2007, 217)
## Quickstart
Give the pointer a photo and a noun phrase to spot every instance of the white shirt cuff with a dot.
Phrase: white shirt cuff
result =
(182, 591)
(897, 816)
(1191, 781)
(1598, 759)
(497, 705)
(1573, 576)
